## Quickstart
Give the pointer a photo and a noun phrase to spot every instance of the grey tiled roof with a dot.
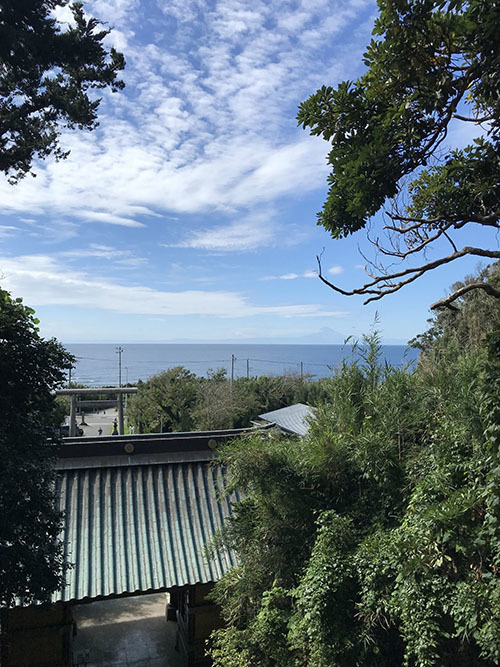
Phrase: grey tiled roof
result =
(293, 419)
(141, 528)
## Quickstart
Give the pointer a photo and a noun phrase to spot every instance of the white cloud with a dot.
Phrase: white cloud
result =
(131, 261)
(249, 233)
(298, 166)
(8, 230)
(285, 276)
(122, 257)
(335, 270)
(42, 281)
(206, 122)
(292, 276)
(114, 12)
(119, 39)
(63, 15)
(102, 216)
(235, 237)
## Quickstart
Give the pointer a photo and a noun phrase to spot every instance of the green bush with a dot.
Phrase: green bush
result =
(375, 540)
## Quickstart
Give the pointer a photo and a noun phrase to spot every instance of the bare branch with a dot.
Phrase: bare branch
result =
(448, 300)
(382, 285)
(484, 119)
(418, 222)
(423, 243)
(491, 220)
(452, 243)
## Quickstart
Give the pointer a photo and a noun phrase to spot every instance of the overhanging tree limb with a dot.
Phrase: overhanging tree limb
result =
(383, 285)
(447, 301)
(431, 64)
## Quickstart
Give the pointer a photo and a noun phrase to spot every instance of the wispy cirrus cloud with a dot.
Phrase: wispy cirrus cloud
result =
(8, 230)
(333, 270)
(110, 218)
(248, 233)
(233, 238)
(44, 281)
(284, 276)
(109, 253)
(200, 154)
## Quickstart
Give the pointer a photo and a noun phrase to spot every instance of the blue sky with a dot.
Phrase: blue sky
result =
(190, 213)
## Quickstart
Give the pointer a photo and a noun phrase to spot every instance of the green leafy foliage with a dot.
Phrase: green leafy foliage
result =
(475, 315)
(376, 539)
(264, 641)
(430, 64)
(31, 368)
(177, 400)
(425, 58)
(46, 73)
(164, 403)
(322, 636)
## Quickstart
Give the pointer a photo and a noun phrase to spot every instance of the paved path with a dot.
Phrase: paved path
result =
(126, 632)
(95, 420)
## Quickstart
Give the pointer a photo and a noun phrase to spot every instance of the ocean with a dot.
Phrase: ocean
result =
(98, 364)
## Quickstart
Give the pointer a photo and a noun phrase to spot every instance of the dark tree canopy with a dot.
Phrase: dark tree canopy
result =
(46, 72)
(431, 63)
(30, 369)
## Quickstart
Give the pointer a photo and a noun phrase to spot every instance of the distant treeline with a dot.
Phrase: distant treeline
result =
(178, 400)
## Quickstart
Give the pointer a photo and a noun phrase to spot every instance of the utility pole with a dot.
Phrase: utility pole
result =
(72, 416)
(233, 359)
(248, 369)
(119, 351)
(126, 395)
(69, 377)
(120, 414)
(301, 370)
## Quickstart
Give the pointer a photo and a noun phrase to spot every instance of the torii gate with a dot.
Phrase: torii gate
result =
(73, 393)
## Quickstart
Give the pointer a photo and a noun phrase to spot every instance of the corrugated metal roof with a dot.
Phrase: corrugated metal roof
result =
(140, 528)
(293, 418)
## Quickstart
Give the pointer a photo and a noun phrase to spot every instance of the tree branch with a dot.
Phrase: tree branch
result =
(382, 285)
(452, 243)
(448, 300)
(442, 126)
(484, 119)
(419, 222)
(423, 242)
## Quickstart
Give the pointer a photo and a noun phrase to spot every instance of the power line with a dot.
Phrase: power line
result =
(161, 361)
